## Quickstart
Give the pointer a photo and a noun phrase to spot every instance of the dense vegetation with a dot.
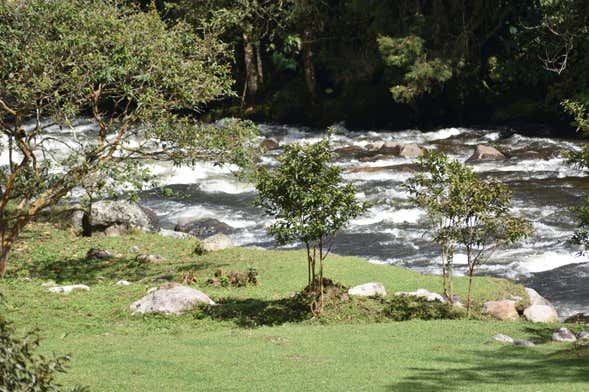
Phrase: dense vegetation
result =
(400, 63)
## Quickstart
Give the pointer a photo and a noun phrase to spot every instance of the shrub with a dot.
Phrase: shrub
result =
(402, 308)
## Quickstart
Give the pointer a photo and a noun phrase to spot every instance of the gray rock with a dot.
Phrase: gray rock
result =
(535, 298)
(423, 293)
(390, 148)
(203, 228)
(176, 234)
(583, 335)
(112, 218)
(523, 343)
(98, 254)
(153, 259)
(68, 289)
(217, 242)
(486, 153)
(541, 314)
(170, 299)
(123, 283)
(270, 143)
(371, 289)
(411, 150)
(579, 318)
(563, 335)
(503, 338)
(48, 284)
(134, 249)
(501, 310)
(374, 147)
(351, 150)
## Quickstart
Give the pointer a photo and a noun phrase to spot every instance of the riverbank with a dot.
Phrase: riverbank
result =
(115, 351)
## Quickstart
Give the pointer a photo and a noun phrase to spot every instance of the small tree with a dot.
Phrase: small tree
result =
(310, 202)
(141, 80)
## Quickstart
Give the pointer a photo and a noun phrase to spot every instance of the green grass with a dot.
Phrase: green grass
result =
(200, 350)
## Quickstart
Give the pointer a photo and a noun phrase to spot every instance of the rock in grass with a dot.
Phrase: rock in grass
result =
(541, 314)
(134, 249)
(523, 343)
(98, 254)
(423, 293)
(68, 289)
(150, 259)
(123, 283)
(170, 299)
(563, 335)
(503, 310)
(217, 242)
(371, 289)
(503, 338)
(48, 284)
(583, 335)
(176, 234)
(113, 218)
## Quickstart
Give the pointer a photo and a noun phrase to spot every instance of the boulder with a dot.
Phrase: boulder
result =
(68, 289)
(411, 150)
(523, 343)
(170, 299)
(203, 228)
(270, 143)
(371, 289)
(579, 318)
(134, 249)
(423, 293)
(501, 310)
(583, 335)
(541, 314)
(217, 242)
(563, 335)
(112, 218)
(98, 254)
(150, 259)
(486, 153)
(390, 148)
(535, 298)
(503, 338)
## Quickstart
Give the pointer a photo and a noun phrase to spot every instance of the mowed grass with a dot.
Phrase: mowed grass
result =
(242, 351)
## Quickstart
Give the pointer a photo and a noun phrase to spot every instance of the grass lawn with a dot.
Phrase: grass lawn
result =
(255, 344)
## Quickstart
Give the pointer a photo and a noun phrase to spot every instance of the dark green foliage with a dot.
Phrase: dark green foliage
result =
(21, 370)
(234, 278)
(403, 308)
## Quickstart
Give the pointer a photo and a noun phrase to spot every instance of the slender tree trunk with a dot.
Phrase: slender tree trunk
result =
(251, 73)
(4, 250)
(260, 65)
(320, 275)
(470, 272)
(309, 63)
(309, 263)
(444, 272)
(450, 272)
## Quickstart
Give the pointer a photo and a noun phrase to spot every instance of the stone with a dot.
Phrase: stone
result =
(217, 242)
(270, 143)
(423, 293)
(503, 338)
(405, 168)
(503, 310)
(98, 254)
(123, 283)
(170, 299)
(390, 148)
(350, 150)
(374, 147)
(176, 234)
(48, 284)
(134, 249)
(579, 318)
(113, 218)
(147, 258)
(486, 153)
(563, 335)
(523, 343)
(411, 150)
(203, 228)
(535, 298)
(541, 314)
(583, 335)
(372, 289)
(68, 289)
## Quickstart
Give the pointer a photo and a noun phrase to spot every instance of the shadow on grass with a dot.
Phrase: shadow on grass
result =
(90, 271)
(507, 366)
(251, 313)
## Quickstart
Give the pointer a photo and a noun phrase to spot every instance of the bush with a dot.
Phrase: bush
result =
(402, 308)
(21, 369)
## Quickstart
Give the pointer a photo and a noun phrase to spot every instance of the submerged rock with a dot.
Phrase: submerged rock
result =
(203, 228)
(423, 293)
(371, 289)
(503, 310)
(486, 153)
(170, 299)
(563, 335)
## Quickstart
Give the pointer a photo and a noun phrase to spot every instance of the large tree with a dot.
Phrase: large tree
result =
(141, 80)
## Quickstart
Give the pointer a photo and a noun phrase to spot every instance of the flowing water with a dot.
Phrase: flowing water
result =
(395, 232)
